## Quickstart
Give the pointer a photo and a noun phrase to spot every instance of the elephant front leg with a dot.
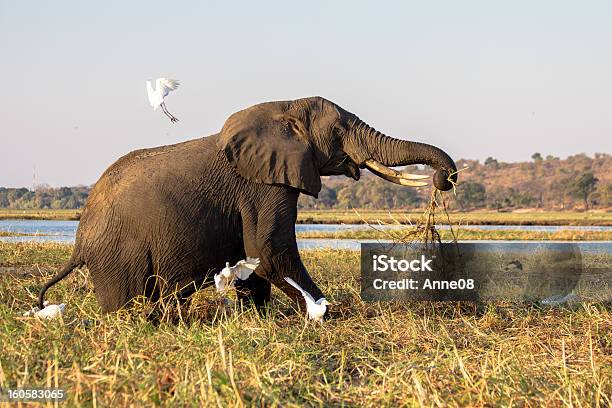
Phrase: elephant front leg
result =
(286, 262)
(274, 242)
(278, 262)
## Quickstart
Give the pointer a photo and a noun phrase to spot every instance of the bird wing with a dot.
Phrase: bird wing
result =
(165, 85)
(306, 295)
(243, 272)
(154, 98)
(244, 268)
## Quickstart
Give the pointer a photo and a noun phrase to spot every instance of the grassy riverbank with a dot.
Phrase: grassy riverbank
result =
(371, 216)
(368, 355)
(58, 215)
(465, 234)
(470, 218)
(460, 233)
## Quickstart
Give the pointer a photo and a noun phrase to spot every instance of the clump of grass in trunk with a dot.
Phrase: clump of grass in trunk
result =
(423, 230)
(427, 232)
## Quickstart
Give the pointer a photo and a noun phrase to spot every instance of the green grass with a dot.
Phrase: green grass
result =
(369, 354)
(465, 234)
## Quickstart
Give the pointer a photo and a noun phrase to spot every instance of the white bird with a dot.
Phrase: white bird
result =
(49, 312)
(315, 310)
(228, 275)
(163, 86)
(34, 309)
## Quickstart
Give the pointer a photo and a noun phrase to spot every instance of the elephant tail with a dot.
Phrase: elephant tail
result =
(72, 263)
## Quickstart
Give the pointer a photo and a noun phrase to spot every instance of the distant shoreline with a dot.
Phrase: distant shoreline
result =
(572, 218)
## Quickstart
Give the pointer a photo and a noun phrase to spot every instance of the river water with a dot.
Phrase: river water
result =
(64, 232)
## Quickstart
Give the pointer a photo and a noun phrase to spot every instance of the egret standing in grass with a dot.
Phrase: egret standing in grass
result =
(315, 310)
(163, 86)
(48, 312)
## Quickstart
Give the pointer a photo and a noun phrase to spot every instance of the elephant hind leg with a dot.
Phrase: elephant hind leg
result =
(152, 289)
(118, 283)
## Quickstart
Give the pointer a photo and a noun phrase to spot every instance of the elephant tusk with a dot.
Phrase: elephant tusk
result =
(381, 168)
(412, 183)
(394, 176)
(414, 176)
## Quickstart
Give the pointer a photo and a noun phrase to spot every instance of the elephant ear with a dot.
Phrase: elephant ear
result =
(270, 149)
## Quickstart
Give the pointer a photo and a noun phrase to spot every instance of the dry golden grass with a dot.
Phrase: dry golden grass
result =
(461, 218)
(368, 354)
(34, 253)
(351, 217)
(13, 214)
(464, 234)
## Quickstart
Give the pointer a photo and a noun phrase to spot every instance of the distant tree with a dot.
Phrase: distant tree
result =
(489, 160)
(471, 194)
(584, 186)
(536, 157)
(602, 195)
(552, 184)
(498, 197)
(12, 195)
(522, 199)
(44, 197)
(327, 197)
(346, 197)
(64, 192)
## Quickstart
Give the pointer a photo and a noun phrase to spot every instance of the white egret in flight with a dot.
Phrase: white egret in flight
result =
(163, 86)
(242, 270)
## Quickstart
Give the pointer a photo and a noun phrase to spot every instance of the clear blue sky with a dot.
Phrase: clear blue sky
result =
(477, 78)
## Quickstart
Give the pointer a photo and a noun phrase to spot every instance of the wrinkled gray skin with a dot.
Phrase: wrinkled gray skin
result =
(180, 212)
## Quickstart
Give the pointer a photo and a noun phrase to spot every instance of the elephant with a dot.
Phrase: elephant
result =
(178, 213)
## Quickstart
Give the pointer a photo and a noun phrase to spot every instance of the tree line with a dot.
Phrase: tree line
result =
(44, 197)
(577, 182)
(547, 182)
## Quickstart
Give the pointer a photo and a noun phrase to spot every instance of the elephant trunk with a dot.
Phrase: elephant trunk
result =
(376, 151)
